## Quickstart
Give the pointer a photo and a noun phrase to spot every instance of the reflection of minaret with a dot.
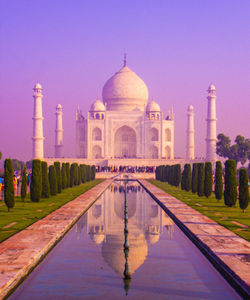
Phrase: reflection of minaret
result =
(190, 133)
(38, 123)
(211, 124)
(59, 132)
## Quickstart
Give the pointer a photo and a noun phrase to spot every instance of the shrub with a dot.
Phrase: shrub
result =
(9, 197)
(243, 189)
(218, 190)
(230, 191)
(195, 178)
(67, 165)
(45, 181)
(58, 176)
(74, 174)
(24, 184)
(64, 176)
(93, 172)
(36, 181)
(208, 182)
(88, 173)
(201, 177)
(186, 178)
(177, 175)
(52, 180)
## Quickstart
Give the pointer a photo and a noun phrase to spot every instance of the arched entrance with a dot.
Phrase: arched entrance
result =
(153, 152)
(125, 143)
(97, 152)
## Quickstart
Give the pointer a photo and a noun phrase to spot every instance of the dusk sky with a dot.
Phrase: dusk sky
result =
(73, 47)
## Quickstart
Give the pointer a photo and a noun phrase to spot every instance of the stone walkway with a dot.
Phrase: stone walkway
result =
(22, 252)
(226, 250)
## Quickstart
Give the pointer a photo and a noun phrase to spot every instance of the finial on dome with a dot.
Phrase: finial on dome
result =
(125, 60)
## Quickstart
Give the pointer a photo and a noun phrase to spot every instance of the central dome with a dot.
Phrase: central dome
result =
(125, 91)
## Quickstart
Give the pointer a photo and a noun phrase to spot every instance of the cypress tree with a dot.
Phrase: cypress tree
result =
(195, 178)
(177, 180)
(9, 197)
(76, 174)
(88, 173)
(157, 173)
(230, 191)
(45, 181)
(64, 176)
(183, 179)
(218, 181)
(79, 175)
(72, 173)
(243, 189)
(67, 165)
(36, 181)
(58, 176)
(24, 184)
(52, 180)
(208, 183)
(188, 177)
(84, 174)
(201, 177)
(93, 172)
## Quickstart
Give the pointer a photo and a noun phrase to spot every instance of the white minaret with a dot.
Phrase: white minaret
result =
(59, 132)
(211, 124)
(38, 123)
(190, 133)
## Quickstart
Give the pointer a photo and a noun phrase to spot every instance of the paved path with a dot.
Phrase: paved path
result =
(222, 245)
(23, 251)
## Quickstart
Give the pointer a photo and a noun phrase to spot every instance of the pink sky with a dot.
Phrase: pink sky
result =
(73, 47)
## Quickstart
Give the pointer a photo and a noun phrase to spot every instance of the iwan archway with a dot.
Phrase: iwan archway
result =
(125, 142)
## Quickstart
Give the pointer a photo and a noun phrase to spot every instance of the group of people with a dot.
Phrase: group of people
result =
(125, 169)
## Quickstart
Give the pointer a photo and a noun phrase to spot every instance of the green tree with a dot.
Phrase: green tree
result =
(208, 182)
(195, 178)
(188, 175)
(45, 181)
(218, 181)
(9, 197)
(93, 172)
(88, 173)
(58, 176)
(183, 178)
(52, 180)
(64, 176)
(230, 191)
(73, 174)
(36, 181)
(177, 171)
(201, 178)
(240, 151)
(24, 184)
(243, 189)
(67, 165)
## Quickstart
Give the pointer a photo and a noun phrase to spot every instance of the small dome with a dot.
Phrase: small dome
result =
(190, 107)
(125, 91)
(97, 238)
(153, 106)
(37, 86)
(211, 87)
(97, 106)
(59, 106)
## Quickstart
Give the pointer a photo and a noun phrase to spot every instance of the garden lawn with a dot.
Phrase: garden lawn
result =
(21, 216)
(230, 217)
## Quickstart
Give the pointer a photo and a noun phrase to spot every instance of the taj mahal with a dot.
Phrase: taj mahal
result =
(125, 125)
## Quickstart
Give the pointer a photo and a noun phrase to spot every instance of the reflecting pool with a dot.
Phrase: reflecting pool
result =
(89, 262)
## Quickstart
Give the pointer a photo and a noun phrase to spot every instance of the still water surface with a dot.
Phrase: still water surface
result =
(89, 261)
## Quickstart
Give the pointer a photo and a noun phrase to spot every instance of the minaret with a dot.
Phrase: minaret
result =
(38, 123)
(59, 132)
(211, 124)
(190, 133)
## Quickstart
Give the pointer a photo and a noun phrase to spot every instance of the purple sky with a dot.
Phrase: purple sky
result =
(73, 47)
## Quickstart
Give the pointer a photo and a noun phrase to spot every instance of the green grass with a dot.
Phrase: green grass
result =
(31, 212)
(210, 207)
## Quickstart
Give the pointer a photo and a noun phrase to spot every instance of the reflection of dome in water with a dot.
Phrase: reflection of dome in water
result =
(119, 207)
(112, 252)
(97, 238)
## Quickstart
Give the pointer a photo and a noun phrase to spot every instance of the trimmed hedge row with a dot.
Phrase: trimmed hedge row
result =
(200, 180)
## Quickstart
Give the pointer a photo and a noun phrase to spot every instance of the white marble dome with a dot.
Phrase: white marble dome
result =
(153, 106)
(97, 106)
(125, 91)
(37, 86)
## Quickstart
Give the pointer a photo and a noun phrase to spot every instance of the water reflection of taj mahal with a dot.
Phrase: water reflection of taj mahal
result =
(145, 224)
